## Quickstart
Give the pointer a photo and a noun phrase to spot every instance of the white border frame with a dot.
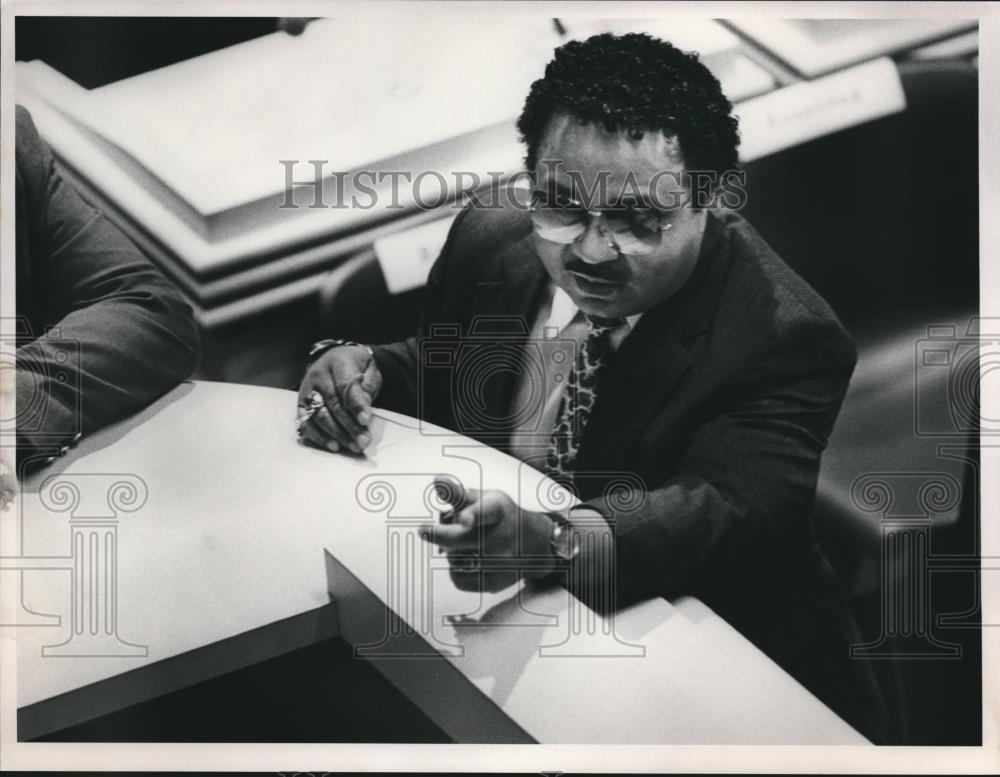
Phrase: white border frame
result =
(582, 758)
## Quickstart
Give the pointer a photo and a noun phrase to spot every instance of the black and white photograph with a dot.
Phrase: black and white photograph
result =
(596, 386)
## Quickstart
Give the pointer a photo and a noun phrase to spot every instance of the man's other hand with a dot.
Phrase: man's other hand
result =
(487, 535)
(347, 381)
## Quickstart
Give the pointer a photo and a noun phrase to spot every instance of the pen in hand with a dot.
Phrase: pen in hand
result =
(336, 398)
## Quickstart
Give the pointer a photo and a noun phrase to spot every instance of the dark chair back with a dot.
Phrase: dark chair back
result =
(355, 304)
(882, 219)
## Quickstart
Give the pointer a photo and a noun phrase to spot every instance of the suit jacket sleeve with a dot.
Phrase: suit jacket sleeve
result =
(125, 336)
(746, 483)
(399, 363)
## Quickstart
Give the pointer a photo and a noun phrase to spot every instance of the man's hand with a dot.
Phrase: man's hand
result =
(348, 381)
(487, 531)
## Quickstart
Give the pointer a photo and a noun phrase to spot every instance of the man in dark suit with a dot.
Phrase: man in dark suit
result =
(691, 417)
(102, 332)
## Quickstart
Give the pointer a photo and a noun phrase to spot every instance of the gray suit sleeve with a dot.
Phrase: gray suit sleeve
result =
(125, 336)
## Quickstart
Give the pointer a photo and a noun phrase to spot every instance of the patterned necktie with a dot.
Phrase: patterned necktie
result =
(578, 397)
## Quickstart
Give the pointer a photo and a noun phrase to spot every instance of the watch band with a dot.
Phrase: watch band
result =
(321, 347)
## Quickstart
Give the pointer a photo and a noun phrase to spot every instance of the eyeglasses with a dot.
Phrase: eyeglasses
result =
(633, 228)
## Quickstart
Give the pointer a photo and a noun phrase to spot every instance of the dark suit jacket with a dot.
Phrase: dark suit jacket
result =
(124, 335)
(721, 400)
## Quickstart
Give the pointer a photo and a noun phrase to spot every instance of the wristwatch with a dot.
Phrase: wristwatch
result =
(318, 349)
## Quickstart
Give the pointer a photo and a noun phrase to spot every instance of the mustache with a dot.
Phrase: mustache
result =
(609, 271)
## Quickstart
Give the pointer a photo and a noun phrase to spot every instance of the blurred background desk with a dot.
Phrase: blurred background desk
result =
(202, 524)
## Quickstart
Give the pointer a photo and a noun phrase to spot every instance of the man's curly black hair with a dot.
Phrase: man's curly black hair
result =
(635, 83)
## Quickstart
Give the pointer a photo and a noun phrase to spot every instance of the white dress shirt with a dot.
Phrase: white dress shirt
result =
(558, 331)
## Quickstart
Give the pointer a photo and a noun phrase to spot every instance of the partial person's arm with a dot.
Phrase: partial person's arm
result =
(125, 336)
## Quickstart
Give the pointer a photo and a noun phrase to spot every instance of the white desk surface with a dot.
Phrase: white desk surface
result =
(224, 565)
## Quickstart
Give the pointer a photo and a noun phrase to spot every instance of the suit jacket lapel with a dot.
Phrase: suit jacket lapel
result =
(644, 372)
(652, 360)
